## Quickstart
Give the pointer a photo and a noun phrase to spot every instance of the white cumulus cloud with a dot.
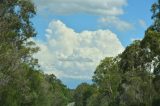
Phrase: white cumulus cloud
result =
(105, 9)
(69, 54)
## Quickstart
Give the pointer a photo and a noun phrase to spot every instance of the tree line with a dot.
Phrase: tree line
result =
(22, 83)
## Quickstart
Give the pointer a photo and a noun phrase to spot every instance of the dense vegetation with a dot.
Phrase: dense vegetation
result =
(22, 83)
(130, 79)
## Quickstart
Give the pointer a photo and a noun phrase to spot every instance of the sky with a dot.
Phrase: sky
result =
(75, 35)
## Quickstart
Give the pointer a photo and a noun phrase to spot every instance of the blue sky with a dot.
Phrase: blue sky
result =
(75, 35)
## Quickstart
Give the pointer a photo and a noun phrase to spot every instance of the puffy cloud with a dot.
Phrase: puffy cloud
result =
(69, 54)
(107, 10)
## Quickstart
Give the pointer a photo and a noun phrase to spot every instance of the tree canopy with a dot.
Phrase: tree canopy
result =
(22, 83)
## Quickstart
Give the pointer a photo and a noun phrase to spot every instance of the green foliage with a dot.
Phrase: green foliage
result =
(156, 16)
(107, 78)
(82, 93)
(21, 81)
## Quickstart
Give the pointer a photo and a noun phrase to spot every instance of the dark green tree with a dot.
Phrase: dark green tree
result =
(82, 94)
(156, 16)
(15, 50)
(107, 77)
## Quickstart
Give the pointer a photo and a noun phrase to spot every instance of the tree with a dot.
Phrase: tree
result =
(15, 50)
(82, 93)
(156, 16)
(107, 77)
(60, 94)
(136, 87)
(22, 83)
(16, 30)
